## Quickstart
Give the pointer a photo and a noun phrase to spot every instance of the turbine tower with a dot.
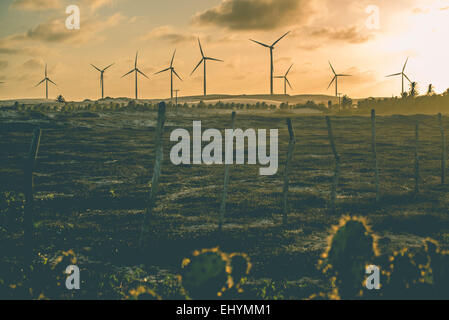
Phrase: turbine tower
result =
(46, 80)
(403, 75)
(335, 78)
(271, 58)
(286, 80)
(172, 71)
(102, 77)
(204, 60)
(136, 70)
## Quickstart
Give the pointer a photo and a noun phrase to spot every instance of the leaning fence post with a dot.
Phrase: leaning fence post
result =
(376, 166)
(337, 165)
(29, 184)
(229, 144)
(291, 149)
(159, 148)
(417, 175)
(443, 149)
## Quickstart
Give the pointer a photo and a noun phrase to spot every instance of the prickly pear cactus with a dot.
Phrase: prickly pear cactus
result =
(405, 275)
(240, 268)
(206, 275)
(439, 266)
(351, 247)
(48, 275)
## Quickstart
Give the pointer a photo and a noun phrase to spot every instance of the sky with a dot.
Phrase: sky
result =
(345, 32)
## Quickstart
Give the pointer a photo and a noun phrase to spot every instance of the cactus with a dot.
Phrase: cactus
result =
(205, 275)
(351, 247)
(240, 268)
(439, 266)
(211, 273)
(405, 275)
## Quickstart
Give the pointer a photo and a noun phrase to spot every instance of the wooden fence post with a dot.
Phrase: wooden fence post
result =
(337, 165)
(417, 175)
(376, 166)
(291, 149)
(29, 185)
(443, 149)
(159, 150)
(226, 182)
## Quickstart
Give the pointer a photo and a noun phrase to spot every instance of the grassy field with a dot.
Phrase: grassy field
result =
(93, 173)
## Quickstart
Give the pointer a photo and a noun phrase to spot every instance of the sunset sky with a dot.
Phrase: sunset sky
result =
(33, 32)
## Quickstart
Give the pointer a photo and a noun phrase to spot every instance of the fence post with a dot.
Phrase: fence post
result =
(291, 149)
(337, 165)
(159, 149)
(376, 166)
(443, 149)
(29, 185)
(417, 175)
(226, 180)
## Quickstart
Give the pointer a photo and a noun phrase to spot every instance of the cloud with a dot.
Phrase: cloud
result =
(35, 5)
(256, 14)
(54, 30)
(169, 34)
(96, 4)
(33, 64)
(348, 34)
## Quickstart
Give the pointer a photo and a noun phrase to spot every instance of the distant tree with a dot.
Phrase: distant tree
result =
(329, 104)
(346, 102)
(60, 99)
(413, 92)
(430, 90)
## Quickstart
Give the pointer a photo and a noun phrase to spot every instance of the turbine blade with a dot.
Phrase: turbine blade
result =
(108, 67)
(172, 59)
(135, 64)
(279, 77)
(52, 82)
(332, 68)
(262, 44)
(280, 39)
(128, 73)
(197, 66)
(142, 73)
(289, 70)
(405, 65)
(95, 67)
(407, 78)
(40, 83)
(162, 71)
(201, 48)
(333, 79)
(213, 59)
(177, 75)
(288, 82)
(394, 75)
(344, 75)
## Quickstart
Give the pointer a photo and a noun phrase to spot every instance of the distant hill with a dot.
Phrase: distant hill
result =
(245, 99)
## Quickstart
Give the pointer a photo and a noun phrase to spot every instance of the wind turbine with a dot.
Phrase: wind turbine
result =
(271, 57)
(403, 75)
(172, 71)
(136, 70)
(102, 77)
(335, 78)
(46, 79)
(286, 80)
(204, 60)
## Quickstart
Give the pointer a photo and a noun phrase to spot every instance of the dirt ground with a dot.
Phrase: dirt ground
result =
(93, 173)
